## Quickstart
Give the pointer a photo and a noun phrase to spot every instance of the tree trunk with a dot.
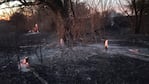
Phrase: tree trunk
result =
(68, 22)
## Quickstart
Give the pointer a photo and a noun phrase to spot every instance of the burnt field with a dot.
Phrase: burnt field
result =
(97, 70)
(101, 68)
(76, 65)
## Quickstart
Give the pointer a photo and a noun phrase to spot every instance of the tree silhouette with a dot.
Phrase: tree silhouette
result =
(139, 9)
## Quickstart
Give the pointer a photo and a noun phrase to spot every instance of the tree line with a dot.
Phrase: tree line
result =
(72, 19)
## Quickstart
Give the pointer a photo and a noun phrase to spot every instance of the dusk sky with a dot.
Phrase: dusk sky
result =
(113, 3)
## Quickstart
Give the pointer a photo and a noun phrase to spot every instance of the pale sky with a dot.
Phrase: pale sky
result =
(4, 8)
(114, 3)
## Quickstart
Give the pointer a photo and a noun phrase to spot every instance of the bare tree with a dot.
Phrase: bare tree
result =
(100, 8)
(66, 16)
(137, 8)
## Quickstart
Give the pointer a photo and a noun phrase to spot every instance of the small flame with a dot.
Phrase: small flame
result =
(106, 44)
(24, 65)
(61, 42)
(35, 29)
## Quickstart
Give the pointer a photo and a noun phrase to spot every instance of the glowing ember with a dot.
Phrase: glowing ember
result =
(136, 51)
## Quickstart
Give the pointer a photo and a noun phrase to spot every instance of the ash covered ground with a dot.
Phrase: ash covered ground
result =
(81, 64)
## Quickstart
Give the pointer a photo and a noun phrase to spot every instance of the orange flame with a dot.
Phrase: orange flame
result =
(61, 42)
(106, 44)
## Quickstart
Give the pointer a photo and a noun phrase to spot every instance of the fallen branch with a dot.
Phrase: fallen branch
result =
(43, 81)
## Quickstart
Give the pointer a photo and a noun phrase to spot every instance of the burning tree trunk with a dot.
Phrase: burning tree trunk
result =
(67, 16)
(64, 12)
